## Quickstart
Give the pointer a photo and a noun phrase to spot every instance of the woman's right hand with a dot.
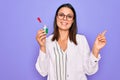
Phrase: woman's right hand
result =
(41, 39)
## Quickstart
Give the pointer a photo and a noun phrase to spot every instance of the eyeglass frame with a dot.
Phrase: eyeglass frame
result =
(63, 16)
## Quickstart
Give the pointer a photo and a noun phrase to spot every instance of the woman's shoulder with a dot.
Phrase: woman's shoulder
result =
(49, 38)
(80, 37)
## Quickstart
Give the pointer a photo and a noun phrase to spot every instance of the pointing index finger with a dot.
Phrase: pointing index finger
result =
(104, 32)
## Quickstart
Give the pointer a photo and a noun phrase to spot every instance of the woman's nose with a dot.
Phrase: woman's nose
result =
(65, 18)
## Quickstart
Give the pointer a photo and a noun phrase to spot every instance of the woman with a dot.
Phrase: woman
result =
(65, 55)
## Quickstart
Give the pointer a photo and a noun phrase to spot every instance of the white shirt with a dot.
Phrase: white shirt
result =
(72, 64)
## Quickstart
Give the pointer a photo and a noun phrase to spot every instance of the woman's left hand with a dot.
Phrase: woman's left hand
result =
(99, 43)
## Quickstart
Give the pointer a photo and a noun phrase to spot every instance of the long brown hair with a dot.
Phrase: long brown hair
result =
(73, 28)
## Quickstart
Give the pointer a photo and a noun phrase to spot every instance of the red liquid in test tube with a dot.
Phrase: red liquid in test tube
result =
(45, 27)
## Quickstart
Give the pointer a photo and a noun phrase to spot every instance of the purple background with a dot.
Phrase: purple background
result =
(18, 27)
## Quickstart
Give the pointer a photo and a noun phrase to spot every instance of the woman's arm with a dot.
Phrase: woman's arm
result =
(90, 62)
(42, 60)
(42, 63)
(91, 58)
(99, 43)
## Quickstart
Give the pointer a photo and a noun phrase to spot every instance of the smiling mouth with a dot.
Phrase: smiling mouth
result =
(64, 23)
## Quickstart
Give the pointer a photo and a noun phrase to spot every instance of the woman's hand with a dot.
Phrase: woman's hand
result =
(99, 43)
(41, 39)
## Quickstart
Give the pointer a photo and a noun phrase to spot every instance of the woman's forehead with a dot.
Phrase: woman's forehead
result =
(65, 10)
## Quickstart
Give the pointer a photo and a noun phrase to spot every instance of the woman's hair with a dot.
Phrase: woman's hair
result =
(73, 28)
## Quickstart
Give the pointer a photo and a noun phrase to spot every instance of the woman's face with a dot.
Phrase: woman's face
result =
(65, 18)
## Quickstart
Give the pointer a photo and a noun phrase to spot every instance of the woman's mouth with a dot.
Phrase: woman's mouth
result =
(64, 23)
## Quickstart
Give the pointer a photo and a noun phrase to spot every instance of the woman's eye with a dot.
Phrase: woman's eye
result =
(69, 16)
(61, 14)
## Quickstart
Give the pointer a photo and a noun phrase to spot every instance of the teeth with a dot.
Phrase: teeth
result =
(63, 23)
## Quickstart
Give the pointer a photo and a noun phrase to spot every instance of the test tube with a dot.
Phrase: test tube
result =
(45, 29)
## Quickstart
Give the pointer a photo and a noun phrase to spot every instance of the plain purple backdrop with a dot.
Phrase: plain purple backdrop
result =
(18, 27)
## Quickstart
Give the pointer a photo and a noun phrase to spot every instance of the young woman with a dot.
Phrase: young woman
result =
(65, 55)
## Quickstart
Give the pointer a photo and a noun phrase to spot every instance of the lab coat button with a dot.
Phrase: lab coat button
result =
(67, 75)
(95, 61)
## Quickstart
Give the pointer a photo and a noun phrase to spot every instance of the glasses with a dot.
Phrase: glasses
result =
(68, 17)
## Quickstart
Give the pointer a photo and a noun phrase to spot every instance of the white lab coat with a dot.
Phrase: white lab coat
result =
(77, 60)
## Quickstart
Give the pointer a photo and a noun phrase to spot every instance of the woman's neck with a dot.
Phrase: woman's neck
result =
(63, 35)
(63, 39)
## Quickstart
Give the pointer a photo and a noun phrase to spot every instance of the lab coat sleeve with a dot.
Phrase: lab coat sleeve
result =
(42, 63)
(90, 62)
